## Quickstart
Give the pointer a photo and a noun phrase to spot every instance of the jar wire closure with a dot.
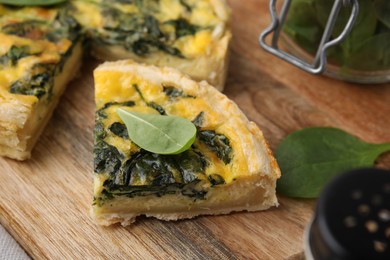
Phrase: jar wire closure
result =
(319, 63)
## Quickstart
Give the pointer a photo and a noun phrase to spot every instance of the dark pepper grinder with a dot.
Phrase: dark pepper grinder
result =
(352, 218)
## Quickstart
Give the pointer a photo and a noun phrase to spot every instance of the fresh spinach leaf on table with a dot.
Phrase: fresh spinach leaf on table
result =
(309, 158)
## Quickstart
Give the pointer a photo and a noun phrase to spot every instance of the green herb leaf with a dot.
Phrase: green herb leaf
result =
(309, 158)
(31, 2)
(157, 133)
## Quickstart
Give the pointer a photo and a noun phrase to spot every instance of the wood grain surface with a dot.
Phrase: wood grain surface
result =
(45, 202)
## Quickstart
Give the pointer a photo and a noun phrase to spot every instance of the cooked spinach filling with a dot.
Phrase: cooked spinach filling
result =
(216, 179)
(99, 132)
(189, 190)
(144, 173)
(106, 158)
(150, 104)
(183, 27)
(174, 93)
(141, 32)
(198, 120)
(63, 26)
(218, 143)
(14, 54)
(145, 168)
(119, 129)
(101, 113)
(39, 81)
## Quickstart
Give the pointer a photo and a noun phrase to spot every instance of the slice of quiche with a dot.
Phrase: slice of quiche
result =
(40, 52)
(228, 168)
(189, 35)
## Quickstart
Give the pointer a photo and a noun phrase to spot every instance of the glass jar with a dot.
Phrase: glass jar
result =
(362, 57)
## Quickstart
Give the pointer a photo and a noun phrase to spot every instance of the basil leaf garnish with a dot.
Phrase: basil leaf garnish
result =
(159, 134)
(309, 158)
(31, 2)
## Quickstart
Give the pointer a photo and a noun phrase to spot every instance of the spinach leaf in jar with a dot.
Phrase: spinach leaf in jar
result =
(302, 25)
(382, 9)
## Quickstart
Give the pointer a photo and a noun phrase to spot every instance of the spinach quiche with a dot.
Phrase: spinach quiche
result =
(41, 49)
(229, 167)
(40, 52)
(190, 35)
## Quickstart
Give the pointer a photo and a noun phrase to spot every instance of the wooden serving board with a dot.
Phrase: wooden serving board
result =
(45, 202)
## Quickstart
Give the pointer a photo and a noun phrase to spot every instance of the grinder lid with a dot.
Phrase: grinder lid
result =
(352, 218)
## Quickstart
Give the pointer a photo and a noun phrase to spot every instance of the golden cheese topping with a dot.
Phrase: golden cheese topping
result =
(88, 14)
(13, 15)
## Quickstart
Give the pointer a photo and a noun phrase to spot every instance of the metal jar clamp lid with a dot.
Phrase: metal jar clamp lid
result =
(319, 63)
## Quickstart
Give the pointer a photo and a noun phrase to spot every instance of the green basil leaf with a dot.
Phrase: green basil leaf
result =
(31, 2)
(309, 158)
(159, 133)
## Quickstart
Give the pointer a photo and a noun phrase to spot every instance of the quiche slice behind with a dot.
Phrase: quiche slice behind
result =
(192, 36)
(40, 52)
(228, 168)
